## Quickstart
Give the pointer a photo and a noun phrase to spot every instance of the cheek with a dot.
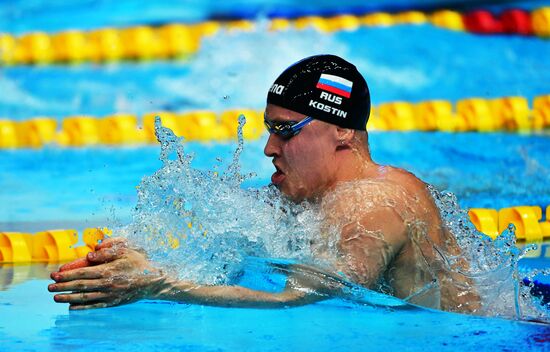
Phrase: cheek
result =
(307, 163)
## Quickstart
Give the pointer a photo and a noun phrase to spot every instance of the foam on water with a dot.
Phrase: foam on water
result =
(493, 264)
(203, 226)
(235, 68)
(213, 222)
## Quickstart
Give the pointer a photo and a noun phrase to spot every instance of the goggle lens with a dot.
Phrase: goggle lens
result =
(286, 129)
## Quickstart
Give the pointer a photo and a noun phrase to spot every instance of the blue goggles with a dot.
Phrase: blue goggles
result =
(286, 129)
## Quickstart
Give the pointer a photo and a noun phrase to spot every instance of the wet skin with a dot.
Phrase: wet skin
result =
(388, 226)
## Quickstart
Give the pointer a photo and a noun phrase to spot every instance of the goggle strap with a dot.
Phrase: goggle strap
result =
(302, 123)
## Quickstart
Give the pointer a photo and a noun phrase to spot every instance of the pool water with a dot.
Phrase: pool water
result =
(96, 186)
(77, 188)
(32, 321)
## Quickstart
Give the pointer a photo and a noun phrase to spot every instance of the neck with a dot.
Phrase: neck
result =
(355, 163)
(352, 164)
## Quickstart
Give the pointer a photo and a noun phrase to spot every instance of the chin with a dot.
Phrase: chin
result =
(295, 196)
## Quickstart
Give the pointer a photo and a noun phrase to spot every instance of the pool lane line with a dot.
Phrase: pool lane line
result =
(511, 114)
(181, 41)
(527, 220)
(63, 245)
(49, 245)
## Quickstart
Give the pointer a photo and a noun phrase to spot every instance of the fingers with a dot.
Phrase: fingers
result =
(80, 285)
(105, 255)
(90, 306)
(91, 272)
(81, 297)
(112, 242)
(79, 263)
(107, 251)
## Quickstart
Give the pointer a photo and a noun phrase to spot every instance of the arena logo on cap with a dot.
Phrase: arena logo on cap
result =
(277, 89)
(335, 84)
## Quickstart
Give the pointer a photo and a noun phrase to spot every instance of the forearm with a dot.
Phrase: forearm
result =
(459, 294)
(232, 296)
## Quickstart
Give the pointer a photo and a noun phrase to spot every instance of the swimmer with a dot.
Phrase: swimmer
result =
(391, 236)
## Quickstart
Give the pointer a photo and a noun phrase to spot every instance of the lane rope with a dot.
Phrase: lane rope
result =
(61, 245)
(511, 114)
(181, 41)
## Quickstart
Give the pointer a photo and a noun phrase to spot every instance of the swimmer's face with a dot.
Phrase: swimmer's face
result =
(305, 164)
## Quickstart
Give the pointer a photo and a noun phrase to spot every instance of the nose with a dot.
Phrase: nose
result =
(273, 146)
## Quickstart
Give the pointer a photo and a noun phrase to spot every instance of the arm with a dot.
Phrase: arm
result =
(119, 275)
(235, 296)
(369, 244)
(458, 289)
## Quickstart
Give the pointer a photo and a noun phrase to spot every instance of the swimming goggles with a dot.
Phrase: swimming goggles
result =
(286, 129)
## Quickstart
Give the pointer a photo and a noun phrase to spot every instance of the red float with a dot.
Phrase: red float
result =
(482, 22)
(516, 21)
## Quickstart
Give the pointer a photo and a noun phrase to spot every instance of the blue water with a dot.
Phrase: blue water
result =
(410, 63)
(97, 185)
(331, 325)
(21, 16)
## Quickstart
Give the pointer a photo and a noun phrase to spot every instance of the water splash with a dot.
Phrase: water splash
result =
(203, 226)
(493, 264)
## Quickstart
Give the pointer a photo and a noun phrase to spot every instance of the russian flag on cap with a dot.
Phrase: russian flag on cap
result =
(335, 84)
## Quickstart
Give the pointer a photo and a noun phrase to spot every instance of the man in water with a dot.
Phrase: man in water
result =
(391, 237)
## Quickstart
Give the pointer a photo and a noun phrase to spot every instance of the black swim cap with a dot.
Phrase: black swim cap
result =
(325, 87)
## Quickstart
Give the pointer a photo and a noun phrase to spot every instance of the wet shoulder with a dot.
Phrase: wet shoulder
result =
(417, 190)
(407, 180)
(425, 216)
(351, 200)
(393, 187)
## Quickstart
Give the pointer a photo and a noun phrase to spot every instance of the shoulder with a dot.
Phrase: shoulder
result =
(368, 214)
(361, 195)
(392, 187)
(406, 179)
(394, 190)
(416, 190)
(368, 203)
(423, 214)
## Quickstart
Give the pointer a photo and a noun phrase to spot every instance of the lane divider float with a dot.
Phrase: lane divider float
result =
(123, 129)
(473, 114)
(527, 222)
(181, 41)
(61, 245)
(526, 219)
(48, 246)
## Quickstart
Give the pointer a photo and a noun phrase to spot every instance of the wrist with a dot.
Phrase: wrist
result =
(158, 284)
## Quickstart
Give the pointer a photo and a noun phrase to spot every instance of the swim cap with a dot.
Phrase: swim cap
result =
(325, 87)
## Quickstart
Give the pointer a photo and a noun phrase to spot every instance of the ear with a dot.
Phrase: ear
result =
(344, 137)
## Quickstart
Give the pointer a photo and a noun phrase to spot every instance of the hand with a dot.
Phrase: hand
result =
(117, 275)
(83, 262)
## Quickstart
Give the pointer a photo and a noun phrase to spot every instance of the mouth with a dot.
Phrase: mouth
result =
(278, 176)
